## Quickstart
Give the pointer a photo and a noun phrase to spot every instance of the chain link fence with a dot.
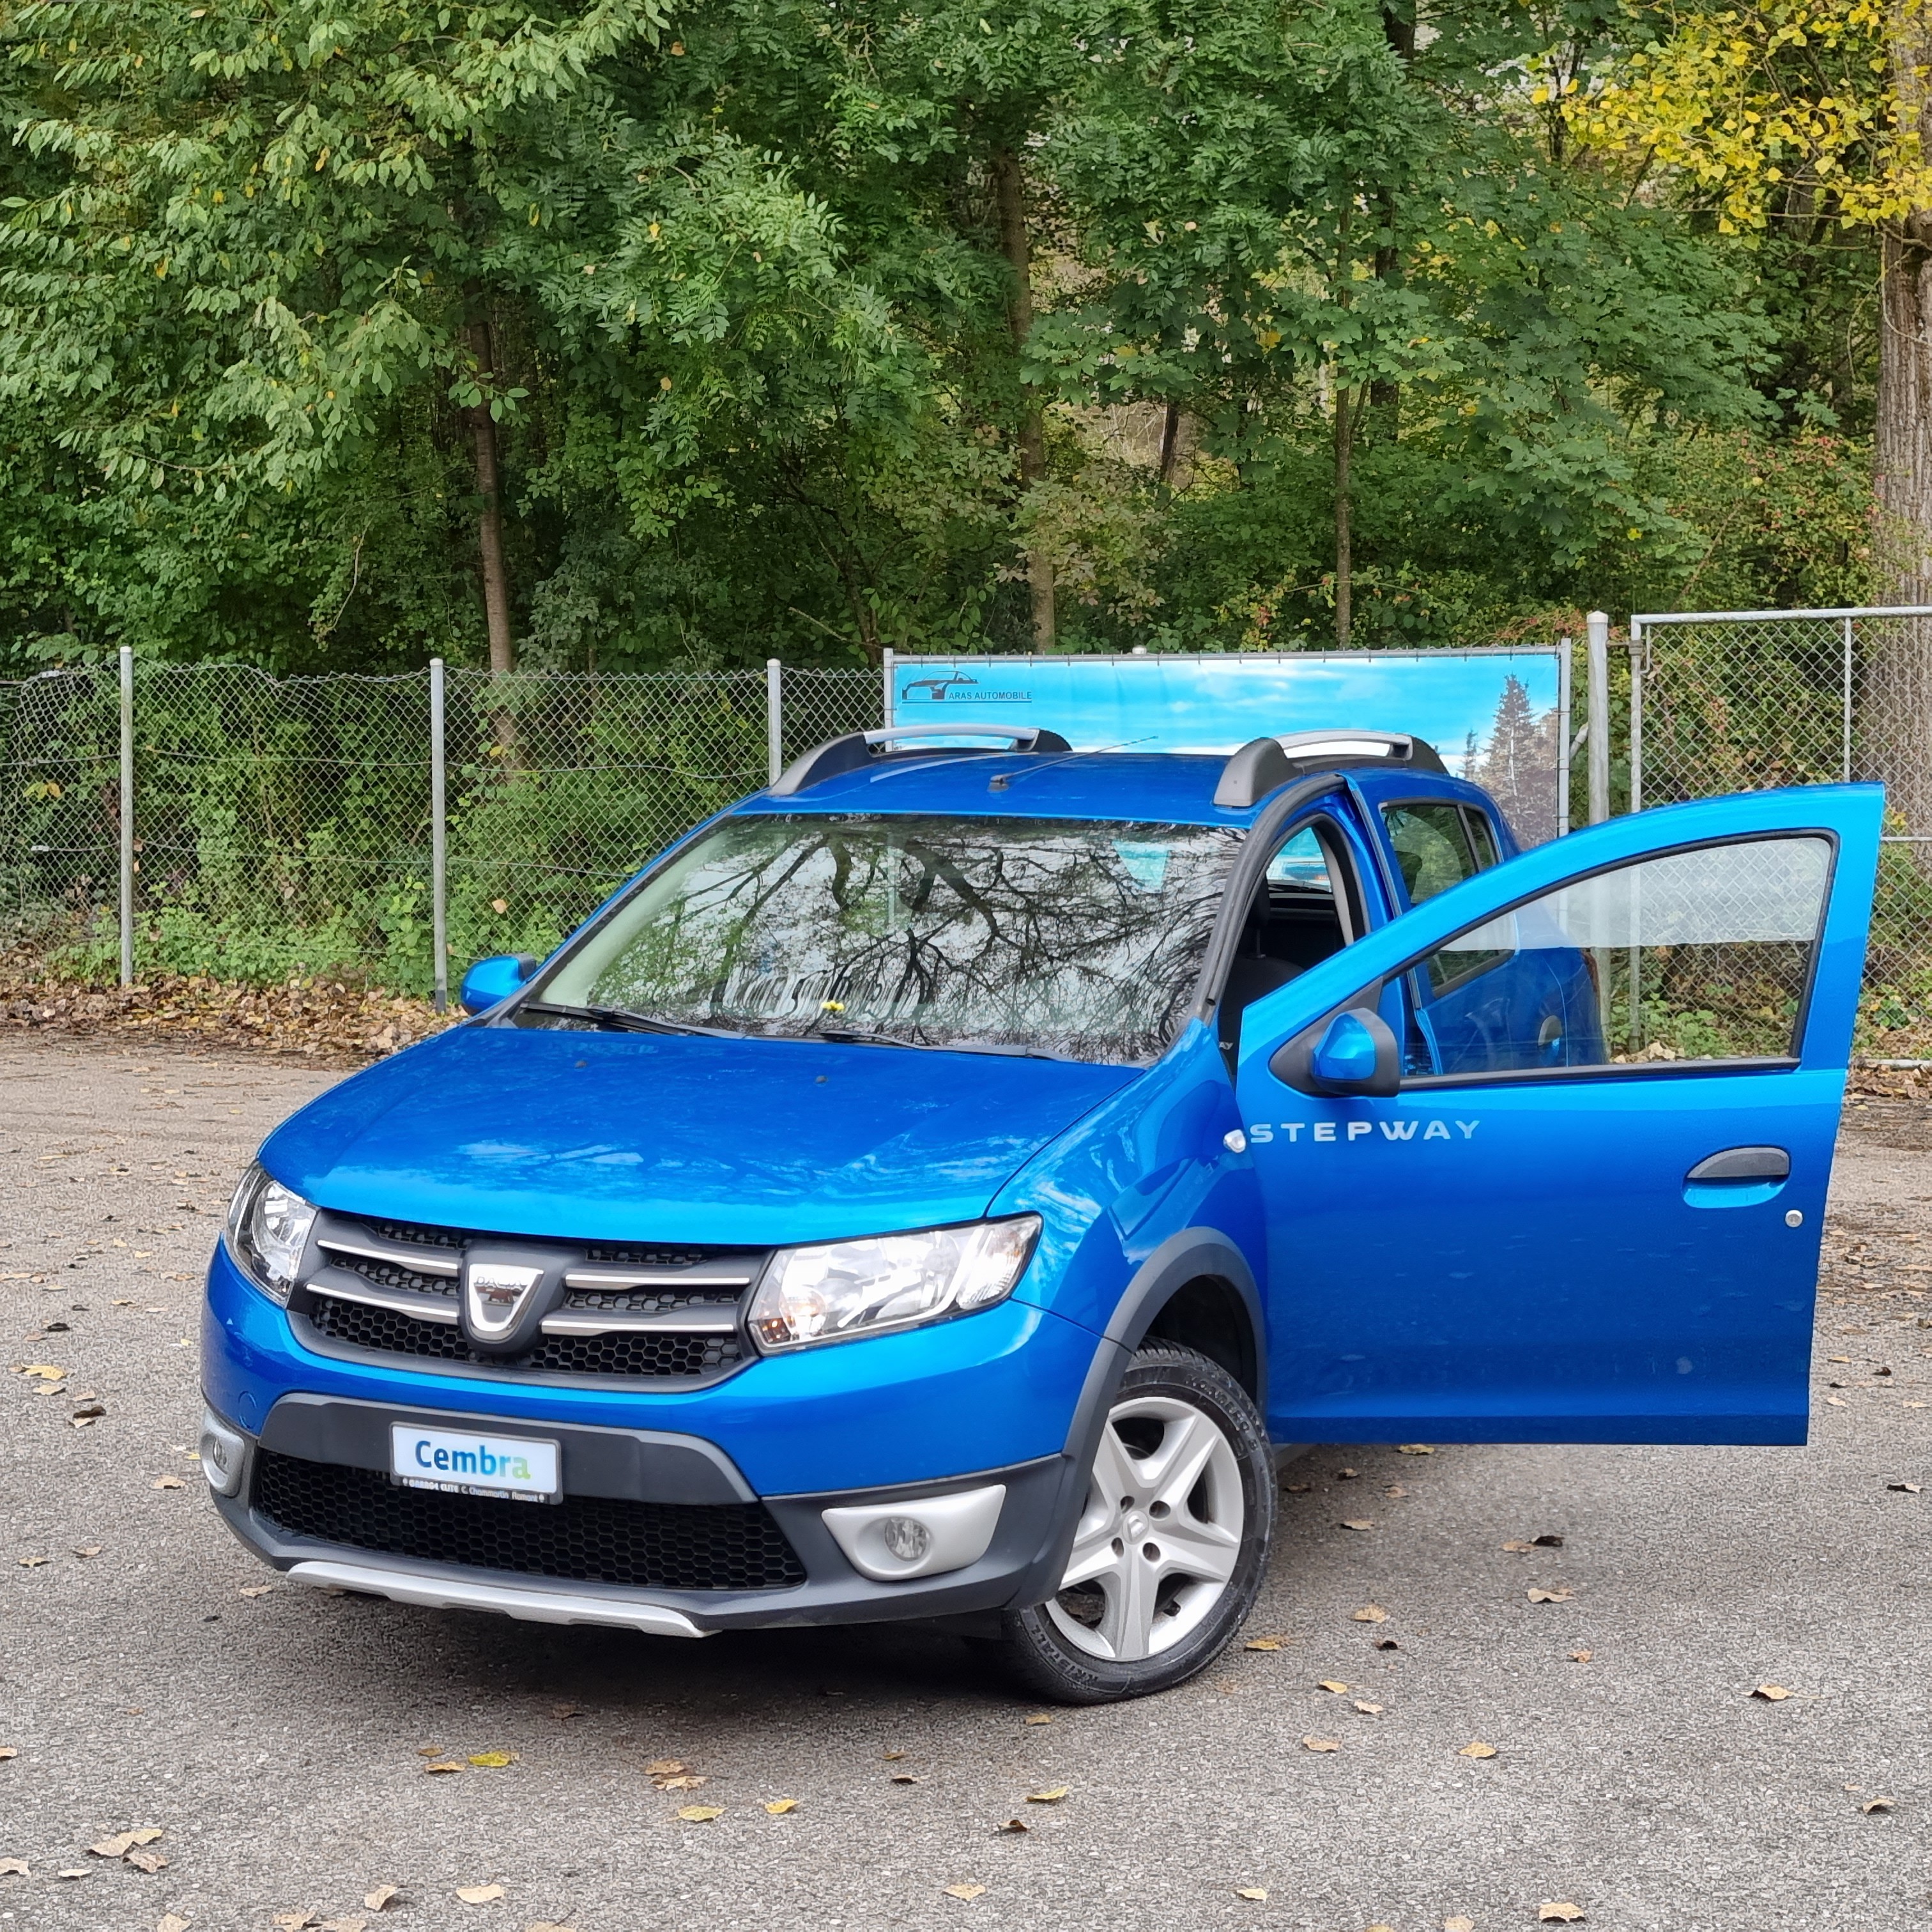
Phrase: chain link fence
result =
(1735, 701)
(286, 826)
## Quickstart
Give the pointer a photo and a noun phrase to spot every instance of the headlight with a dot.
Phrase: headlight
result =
(846, 1289)
(268, 1229)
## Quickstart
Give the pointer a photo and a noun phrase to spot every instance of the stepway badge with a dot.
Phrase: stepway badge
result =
(522, 1467)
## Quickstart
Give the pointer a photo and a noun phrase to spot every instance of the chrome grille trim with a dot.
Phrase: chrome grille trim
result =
(418, 1306)
(617, 1321)
(416, 1259)
(620, 1279)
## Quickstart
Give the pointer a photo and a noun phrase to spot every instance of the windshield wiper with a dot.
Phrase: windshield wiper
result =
(1000, 1047)
(620, 1019)
(852, 1034)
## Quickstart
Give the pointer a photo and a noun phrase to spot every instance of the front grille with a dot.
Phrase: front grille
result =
(665, 1352)
(689, 1287)
(586, 1539)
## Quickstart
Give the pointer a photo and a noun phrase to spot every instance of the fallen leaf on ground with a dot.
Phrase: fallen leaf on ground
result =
(1549, 1542)
(665, 1767)
(441, 1767)
(700, 1814)
(1475, 1747)
(544, 1925)
(1562, 1913)
(9, 1750)
(1368, 1709)
(87, 1549)
(1772, 1694)
(685, 1783)
(1369, 1613)
(167, 1482)
(1519, 1548)
(908, 1777)
(1837, 1401)
(1297, 1489)
(172, 1921)
(122, 1843)
(1258, 1893)
(1332, 1684)
(779, 1806)
(1359, 1523)
(1551, 1596)
(1319, 1745)
(379, 1896)
(1262, 1643)
(1346, 1475)
(967, 1891)
(1387, 1643)
(1052, 1796)
(1910, 1488)
(1580, 1656)
(255, 1589)
(1459, 1924)
(1014, 1828)
(294, 1921)
(891, 1756)
(479, 1894)
(1876, 1804)
(494, 1760)
(32, 1562)
(1415, 1449)
(1037, 1717)
(44, 1371)
(146, 1862)
(15, 1867)
(72, 1871)
(1395, 1490)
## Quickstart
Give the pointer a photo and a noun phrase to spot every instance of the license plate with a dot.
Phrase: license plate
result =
(522, 1467)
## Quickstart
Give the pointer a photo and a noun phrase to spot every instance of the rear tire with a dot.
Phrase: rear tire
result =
(1172, 1542)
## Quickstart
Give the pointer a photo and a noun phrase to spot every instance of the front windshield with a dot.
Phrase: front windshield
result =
(1070, 937)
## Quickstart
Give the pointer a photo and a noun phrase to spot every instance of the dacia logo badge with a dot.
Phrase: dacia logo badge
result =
(493, 1295)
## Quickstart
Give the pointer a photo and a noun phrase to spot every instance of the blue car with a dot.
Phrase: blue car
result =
(946, 1184)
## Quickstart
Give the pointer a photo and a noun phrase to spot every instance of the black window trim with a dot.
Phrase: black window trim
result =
(1371, 995)
(1463, 805)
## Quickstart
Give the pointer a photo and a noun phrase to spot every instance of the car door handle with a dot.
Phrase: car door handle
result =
(1741, 1163)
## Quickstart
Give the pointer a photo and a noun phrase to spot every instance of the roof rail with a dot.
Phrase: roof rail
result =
(1262, 765)
(857, 749)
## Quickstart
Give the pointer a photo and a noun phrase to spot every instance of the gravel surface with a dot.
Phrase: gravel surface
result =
(277, 1740)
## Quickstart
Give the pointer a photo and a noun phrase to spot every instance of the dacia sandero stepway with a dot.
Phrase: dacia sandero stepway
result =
(943, 1186)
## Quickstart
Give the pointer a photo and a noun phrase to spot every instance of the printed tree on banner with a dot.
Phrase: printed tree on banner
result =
(1518, 765)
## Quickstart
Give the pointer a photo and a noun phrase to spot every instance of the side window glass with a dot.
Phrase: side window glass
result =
(1431, 846)
(1699, 955)
(1481, 839)
(1303, 864)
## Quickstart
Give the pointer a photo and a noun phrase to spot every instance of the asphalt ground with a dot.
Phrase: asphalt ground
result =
(277, 1741)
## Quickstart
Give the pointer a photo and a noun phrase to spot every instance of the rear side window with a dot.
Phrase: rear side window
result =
(1431, 845)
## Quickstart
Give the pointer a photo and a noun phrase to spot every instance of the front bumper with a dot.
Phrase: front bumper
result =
(989, 1399)
(648, 1467)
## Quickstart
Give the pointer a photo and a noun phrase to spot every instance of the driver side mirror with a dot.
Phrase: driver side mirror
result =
(1351, 1052)
(490, 982)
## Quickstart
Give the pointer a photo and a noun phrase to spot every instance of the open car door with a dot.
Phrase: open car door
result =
(1545, 1159)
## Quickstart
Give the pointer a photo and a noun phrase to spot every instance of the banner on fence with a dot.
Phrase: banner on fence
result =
(1496, 716)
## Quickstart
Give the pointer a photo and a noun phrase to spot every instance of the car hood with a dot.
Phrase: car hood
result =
(604, 1136)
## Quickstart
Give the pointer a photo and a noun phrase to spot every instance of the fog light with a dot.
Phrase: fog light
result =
(908, 1539)
(224, 1454)
(925, 1536)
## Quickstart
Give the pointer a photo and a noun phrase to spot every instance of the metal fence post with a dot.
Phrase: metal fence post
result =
(774, 720)
(885, 705)
(1636, 715)
(1598, 652)
(439, 838)
(1564, 650)
(126, 815)
(1845, 754)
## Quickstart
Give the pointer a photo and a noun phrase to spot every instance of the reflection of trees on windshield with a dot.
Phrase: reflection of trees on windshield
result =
(1067, 937)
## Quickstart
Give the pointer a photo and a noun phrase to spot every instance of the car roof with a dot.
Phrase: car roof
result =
(1144, 788)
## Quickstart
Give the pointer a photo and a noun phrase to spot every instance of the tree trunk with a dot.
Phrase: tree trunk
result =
(1016, 244)
(489, 518)
(1895, 695)
(1345, 559)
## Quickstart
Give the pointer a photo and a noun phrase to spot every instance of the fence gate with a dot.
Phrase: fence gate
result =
(1735, 701)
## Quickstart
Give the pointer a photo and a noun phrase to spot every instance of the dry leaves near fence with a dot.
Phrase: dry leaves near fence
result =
(321, 1020)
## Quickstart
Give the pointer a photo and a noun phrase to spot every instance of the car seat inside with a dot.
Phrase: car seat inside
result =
(1293, 922)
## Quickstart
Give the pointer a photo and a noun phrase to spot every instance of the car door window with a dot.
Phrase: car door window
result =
(1703, 955)
(1306, 908)
(1431, 845)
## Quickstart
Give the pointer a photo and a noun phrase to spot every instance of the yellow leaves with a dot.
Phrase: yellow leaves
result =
(968, 1892)
(1772, 1694)
(492, 1760)
(777, 1806)
(1476, 1748)
(1369, 1613)
(1258, 1893)
(1333, 1684)
(1052, 1796)
(1315, 1743)
(479, 1894)
(700, 1814)
(1559, 1912)
(1262, 1643)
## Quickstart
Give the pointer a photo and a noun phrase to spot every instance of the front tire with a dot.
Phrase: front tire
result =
(1172, 1542)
